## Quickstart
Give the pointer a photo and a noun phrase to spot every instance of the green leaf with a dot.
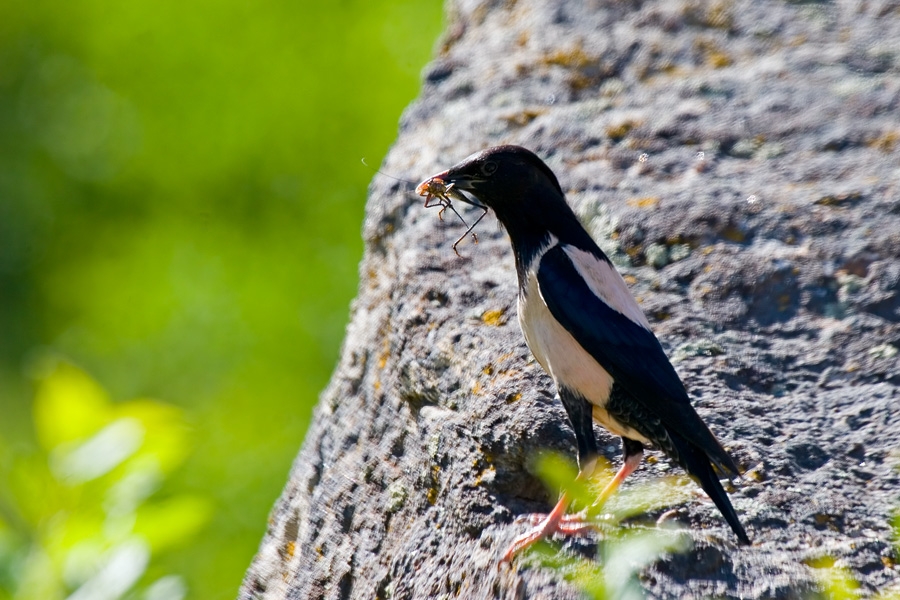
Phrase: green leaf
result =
(644, 497)
(171, 522)
(167, 438)
(560, 473)
(839, 584)
(100, 454)
(69, 406)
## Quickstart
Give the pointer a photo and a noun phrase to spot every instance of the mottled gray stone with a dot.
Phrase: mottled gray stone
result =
(771, 160)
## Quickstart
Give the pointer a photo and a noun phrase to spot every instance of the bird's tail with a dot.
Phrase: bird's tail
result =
(698, 466)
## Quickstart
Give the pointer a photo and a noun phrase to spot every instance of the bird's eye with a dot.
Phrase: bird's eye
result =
(488, 168)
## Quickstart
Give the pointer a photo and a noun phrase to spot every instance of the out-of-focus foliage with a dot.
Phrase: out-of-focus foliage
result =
(80, 517)
(180, 203)
(625, 548)
(838, 582)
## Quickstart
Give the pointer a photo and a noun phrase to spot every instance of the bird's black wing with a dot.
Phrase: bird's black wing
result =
(628, 351)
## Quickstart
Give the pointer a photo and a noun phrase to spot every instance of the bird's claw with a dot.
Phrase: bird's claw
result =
(531, 518)
(544, 526)
(535, 519)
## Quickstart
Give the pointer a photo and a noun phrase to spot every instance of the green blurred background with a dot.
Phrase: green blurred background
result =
(181, 197)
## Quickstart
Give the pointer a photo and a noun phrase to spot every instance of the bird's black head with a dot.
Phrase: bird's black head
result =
(504, 178)
(522, 191)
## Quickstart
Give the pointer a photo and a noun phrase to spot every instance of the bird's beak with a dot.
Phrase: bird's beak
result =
(456, 184)
(460, 181)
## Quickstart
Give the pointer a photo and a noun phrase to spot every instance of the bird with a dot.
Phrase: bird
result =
(587, 331)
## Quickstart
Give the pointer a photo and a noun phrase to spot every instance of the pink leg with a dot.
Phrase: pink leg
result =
(557, 521)
(547, 527)
(628, 467)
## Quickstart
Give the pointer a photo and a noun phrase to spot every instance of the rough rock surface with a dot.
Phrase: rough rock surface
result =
(741, 162)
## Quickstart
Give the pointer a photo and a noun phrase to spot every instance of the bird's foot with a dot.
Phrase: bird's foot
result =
(544, 526)
(574, 524)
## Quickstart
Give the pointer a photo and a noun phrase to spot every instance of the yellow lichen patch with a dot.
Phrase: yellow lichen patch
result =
(720, 15)
(712, 54)
(575, 58)
(886, 142)
(755, 475)
(385, 353)
(718, 60)
(524, 70)
(585, 70)
(717, 15)
(488, 369)
(524, 117)
(823, 519)
(513, 397)
(488, 474)
(645, 202)
(289, 549)
(671, 69)
(617, 132)
(733, 234)
(476, 389)
(506, 356)
(579, 81)
(434, 488)
(630, 279)
(494, 318)
(839, 199)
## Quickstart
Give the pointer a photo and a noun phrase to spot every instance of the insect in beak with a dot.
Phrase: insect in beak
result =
(437, 192)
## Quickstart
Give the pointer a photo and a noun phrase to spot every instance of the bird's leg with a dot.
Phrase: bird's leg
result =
(579, 412)
(632, 453)
(555, 521)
